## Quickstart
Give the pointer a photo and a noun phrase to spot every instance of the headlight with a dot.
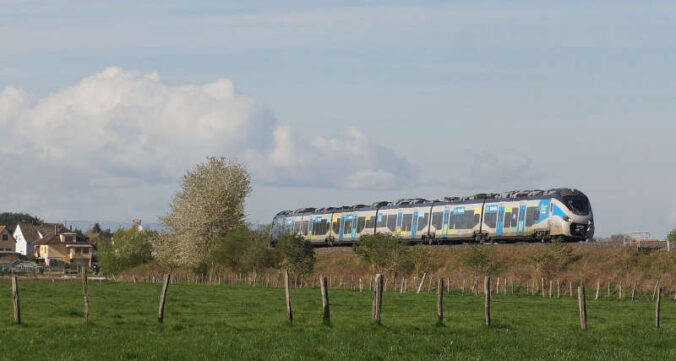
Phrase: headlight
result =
(566, 218)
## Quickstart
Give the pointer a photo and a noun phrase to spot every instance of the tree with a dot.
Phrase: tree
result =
(208, 206)
(10, 219)
(127, 249)
(96, 228)
(243, 250)
(671, 237)
(384, 254)
(295, 254)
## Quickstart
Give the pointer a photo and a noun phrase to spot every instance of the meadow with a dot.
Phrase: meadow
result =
(215, 322)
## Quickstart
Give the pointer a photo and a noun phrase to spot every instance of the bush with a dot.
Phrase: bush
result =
(384, 254)
(295, 255)
(481, 261)
(127, 249)
(242, 250)
(554, 259)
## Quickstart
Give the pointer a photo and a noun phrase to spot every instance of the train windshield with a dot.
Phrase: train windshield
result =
(578, 204)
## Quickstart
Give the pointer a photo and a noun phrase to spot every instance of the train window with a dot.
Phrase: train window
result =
(347, 227)
(422, 221)
(490, 219)
(406, 222)
(304, 229)
(382, 221)
(508, 220)
(515, 217)
(361, 222)
(477, 219)
(392, 222)
(336, 226)
(436, 219)
(532, 215)
(296, 227)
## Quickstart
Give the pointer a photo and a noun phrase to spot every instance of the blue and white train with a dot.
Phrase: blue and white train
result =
(534, 215)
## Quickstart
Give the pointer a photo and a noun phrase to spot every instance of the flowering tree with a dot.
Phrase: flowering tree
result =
(209, 205)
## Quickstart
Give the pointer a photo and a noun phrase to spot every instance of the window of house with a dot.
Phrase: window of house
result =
(4, 237)
(85, 250)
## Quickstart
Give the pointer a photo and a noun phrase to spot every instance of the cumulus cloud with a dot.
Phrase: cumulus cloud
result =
(126, 128)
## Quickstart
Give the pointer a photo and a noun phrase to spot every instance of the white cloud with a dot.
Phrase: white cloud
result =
(122, 129)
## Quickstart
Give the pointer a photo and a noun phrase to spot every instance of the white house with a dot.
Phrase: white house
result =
(26, 234)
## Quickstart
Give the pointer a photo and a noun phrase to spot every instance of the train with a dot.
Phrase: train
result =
(532, 215)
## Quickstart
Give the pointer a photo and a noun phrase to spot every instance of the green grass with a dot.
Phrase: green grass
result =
(217, 322)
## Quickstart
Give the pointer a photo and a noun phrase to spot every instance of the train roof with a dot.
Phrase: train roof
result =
(421, 202)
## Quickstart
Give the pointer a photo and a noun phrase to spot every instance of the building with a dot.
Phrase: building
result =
(7, 241)
(64, 246)
(26, 234)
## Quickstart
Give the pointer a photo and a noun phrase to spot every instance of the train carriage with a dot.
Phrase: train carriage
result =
(510, 216)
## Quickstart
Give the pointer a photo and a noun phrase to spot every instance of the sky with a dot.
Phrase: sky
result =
(105, 105)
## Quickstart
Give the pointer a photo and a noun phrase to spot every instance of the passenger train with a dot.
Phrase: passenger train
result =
(535, 215)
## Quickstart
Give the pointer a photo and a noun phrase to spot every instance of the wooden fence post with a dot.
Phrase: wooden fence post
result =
(619, 295)
(633, 291)
(440, 301)
(558, 289)
(550, 288)
(361, 285)
(325, 301)
(497, 287)
(422, 280)
(378, 299)
(487, 300)
(598, 287)
(163, 297)
(655, 288)
(85, 294)
(15, 300)
(582, 305)
(570, 289)
(289, 311)
(657, 307)
(542, 286)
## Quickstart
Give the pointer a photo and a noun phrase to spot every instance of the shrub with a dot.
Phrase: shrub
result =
(295, 255)
(127, 249)
(481, 261)
(242, 250)
(383, 253)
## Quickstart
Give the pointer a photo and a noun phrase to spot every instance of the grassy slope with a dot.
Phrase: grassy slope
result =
(215, 322)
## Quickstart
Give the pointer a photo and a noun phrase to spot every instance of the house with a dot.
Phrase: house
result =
(26, 234)
(64, 246)
(7, 241)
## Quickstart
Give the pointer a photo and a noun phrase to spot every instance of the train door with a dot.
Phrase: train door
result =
(353, 233)
(501, 220)
(342, 228)
(444, 227)
(397, 232)
(310, 222)
(414, 224)
(521, 223)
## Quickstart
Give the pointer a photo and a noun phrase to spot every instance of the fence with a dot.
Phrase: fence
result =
(377, 285)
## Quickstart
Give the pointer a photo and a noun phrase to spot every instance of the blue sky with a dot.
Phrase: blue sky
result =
(338, 102)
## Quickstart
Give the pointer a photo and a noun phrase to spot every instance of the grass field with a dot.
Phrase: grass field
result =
(218, 322)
